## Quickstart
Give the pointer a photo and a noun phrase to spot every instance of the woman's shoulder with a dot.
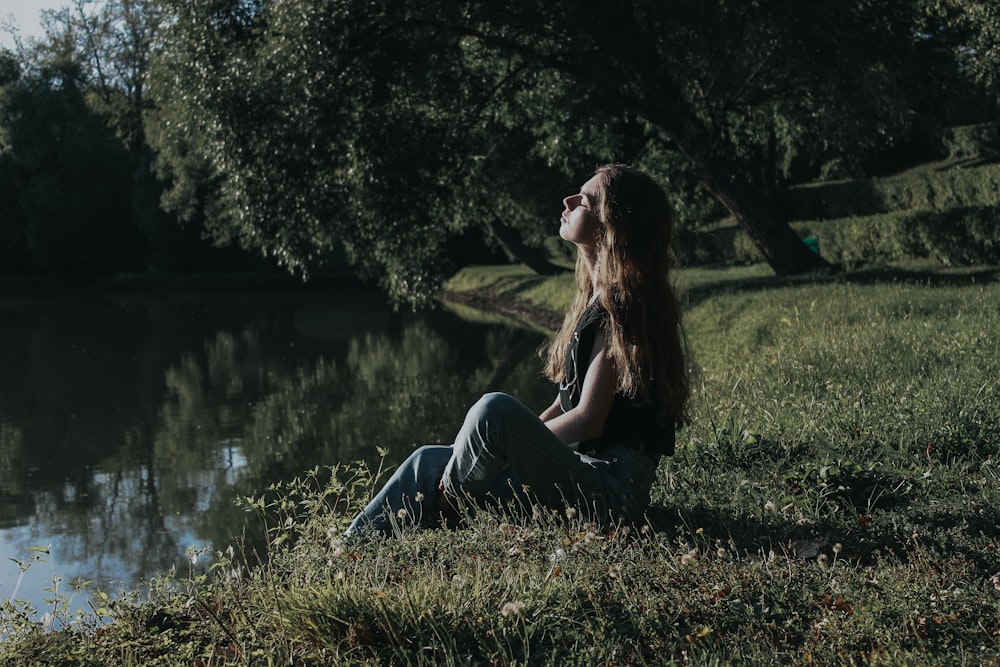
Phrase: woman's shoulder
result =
(593, 313)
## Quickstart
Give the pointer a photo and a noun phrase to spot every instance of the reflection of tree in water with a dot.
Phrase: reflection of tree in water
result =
(393, 391)
(128, 430)
(15, 499)
(76, 378)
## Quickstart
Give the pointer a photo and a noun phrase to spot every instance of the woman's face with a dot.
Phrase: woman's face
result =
(579, 223)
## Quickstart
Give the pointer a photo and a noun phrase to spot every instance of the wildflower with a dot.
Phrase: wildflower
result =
(557, 555)
(511, 609)
(837, 548)
(402, 514)
(614, 570)
(571, 513)
(720, 552)
(689, 557)
(419, 497)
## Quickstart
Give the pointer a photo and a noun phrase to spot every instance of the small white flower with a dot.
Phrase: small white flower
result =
(689, 557)
(557, 556)
(419, 497)
(837, 548)
(571, 513)
(511, 609)
(402, 514)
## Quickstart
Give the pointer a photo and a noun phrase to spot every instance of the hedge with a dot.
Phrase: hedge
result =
(960, 236)
(927, 190)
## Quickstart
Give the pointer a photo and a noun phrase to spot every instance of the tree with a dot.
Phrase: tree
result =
(294, 126)
(70, 175)
(111, 43)
(971, 30)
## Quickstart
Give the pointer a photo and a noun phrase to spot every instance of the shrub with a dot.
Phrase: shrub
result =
(953, 237)
(971, 141)
(923, 190)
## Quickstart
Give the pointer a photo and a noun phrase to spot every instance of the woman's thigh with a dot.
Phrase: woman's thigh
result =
(501, 437)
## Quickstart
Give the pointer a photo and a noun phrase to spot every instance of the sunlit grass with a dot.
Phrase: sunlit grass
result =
(834, 501)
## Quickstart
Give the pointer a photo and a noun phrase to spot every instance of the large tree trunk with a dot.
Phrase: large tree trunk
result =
(780, 246)
(517, 251)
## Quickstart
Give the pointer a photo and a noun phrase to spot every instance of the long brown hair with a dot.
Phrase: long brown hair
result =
(634, 259)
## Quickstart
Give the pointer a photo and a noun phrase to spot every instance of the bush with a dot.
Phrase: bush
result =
(972, 141)
(923, 190)
(954, 236)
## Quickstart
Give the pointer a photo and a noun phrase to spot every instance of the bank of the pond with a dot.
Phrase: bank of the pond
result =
(834, 501)
(514, 291)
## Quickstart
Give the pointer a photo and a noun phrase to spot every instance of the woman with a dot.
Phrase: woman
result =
(623, 385)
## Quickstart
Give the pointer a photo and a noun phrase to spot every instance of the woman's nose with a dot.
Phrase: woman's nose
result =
(568, 202)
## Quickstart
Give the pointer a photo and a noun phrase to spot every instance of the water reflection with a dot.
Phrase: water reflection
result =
(128, 426)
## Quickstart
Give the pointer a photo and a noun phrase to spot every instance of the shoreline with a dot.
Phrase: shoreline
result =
(485, 301)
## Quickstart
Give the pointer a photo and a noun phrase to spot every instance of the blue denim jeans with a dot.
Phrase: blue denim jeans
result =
(504, 453)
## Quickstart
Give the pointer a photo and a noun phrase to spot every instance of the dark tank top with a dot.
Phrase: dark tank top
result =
(630, 423)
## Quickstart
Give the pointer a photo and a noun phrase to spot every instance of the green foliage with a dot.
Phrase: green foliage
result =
(70, 209)
(972, 29)
(946, 213)
(916, 190)
(293, 128)
(972, 141)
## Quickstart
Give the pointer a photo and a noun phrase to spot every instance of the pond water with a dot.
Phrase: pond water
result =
(129, 424)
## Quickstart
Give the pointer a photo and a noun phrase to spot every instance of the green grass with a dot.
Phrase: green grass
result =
(834, 501)
(516, 282)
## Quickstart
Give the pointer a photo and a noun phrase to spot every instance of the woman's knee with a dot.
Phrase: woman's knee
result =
(428, 460)
(493, 406)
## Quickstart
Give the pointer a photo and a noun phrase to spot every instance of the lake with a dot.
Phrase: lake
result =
(130, 423)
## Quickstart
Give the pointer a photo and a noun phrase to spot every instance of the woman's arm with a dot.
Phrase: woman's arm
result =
(586, 420)
(552, 411)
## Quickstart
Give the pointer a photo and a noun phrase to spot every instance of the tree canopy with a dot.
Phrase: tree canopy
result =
(407, 133)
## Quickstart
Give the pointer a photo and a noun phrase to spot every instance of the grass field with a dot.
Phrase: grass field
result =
(835, 500)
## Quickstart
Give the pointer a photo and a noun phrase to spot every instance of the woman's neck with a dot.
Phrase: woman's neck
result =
(589, 257)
